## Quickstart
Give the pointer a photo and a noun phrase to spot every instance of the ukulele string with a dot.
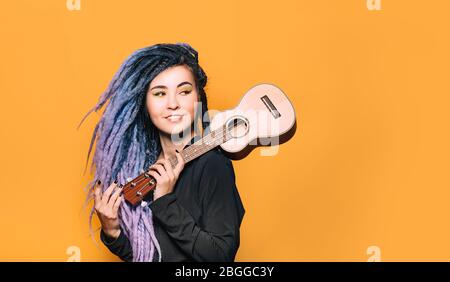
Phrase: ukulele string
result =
(209, 136)
(220, 138)
(209, 141)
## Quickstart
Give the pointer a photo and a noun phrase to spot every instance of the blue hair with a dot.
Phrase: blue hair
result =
(127, 142)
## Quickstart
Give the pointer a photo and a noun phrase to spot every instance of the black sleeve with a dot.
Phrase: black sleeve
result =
(222, 213)
(120, 246)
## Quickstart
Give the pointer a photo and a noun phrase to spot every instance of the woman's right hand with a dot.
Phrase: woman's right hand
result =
(106, 206)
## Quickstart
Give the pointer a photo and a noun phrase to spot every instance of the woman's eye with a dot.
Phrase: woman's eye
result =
(185, 92)
(158, 94)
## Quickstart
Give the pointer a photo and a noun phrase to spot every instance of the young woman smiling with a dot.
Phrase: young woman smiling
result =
(156, 100)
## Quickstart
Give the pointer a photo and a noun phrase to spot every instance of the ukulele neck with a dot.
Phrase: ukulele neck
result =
(203, 145)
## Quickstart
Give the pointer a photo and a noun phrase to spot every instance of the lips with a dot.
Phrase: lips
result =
(174, 117)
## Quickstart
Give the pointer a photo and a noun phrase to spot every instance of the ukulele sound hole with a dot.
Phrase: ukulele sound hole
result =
(238, 126)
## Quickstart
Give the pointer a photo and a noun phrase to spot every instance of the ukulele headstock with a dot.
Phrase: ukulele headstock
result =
(135, 190)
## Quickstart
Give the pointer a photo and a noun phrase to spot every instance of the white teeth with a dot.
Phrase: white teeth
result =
(174, 118)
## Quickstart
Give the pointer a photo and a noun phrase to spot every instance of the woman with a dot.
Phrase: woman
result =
(155, 101)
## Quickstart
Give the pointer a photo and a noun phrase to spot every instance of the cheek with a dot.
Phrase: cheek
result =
(190, 104)
(154, 108)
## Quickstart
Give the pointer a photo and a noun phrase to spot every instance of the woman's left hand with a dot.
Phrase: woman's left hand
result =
(165, 175)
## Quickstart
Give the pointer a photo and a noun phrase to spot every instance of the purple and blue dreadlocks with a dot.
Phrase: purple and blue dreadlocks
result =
(127, 142)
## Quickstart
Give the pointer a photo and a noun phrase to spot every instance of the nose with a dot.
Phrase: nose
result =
(172, 102)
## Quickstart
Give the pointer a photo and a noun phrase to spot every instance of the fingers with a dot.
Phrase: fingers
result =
(97, 195)
(159, 168)
(164, 168)
(169, 169)
(155, 175)
(107, 193)
(117, 204)
(114, 197)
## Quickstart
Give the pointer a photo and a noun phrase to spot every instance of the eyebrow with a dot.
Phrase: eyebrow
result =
(162, 86)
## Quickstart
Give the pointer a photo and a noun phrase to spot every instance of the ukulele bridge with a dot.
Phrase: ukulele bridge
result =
(270, 106)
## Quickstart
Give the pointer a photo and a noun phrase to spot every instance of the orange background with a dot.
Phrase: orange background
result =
(368, 165)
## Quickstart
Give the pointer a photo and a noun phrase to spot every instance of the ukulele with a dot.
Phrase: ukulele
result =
(264, 112)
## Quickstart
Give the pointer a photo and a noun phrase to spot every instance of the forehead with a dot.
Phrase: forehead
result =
(172, 76)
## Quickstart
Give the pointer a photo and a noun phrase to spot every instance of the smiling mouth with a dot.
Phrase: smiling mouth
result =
(174, 118)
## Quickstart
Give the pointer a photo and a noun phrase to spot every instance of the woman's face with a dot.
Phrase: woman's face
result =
(172, 100)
